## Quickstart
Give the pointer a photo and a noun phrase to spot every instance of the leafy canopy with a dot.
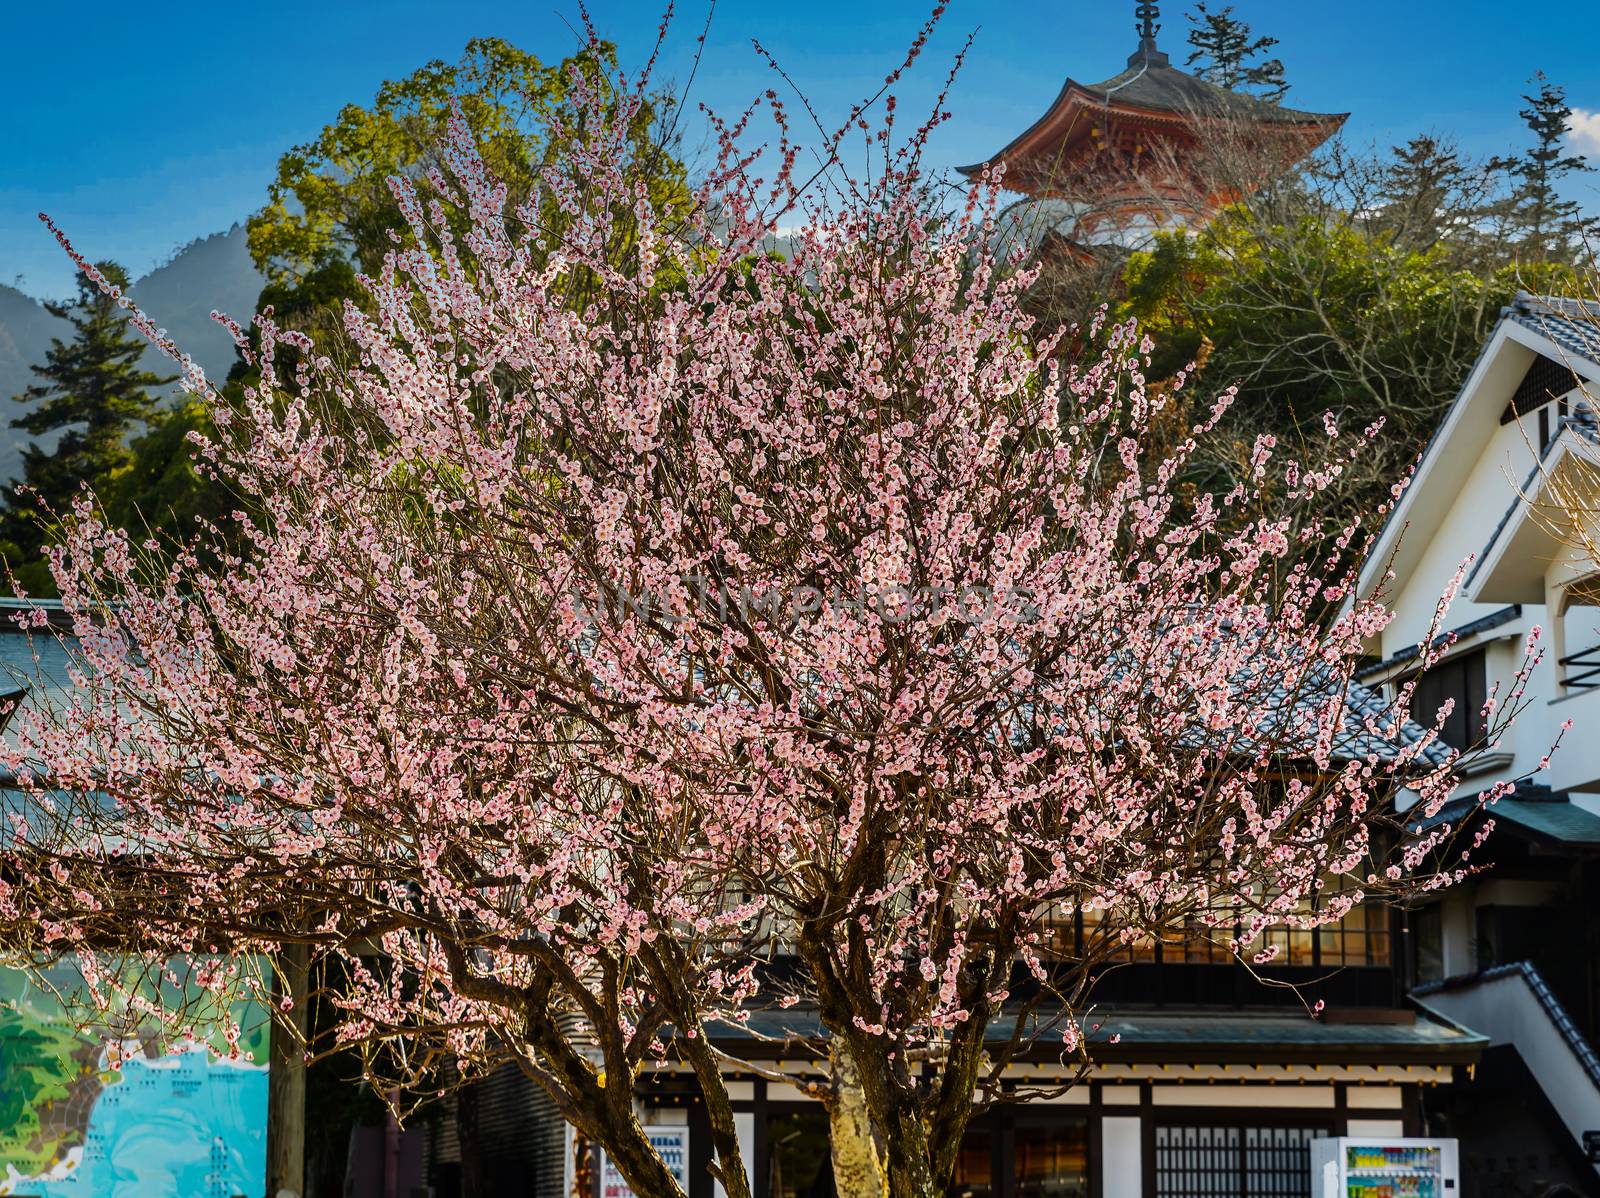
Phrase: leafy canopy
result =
(330, 208)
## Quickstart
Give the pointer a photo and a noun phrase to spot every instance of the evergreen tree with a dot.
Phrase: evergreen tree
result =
(94, 391)
(1426, 193)
(1226, 52)
(1538, 219)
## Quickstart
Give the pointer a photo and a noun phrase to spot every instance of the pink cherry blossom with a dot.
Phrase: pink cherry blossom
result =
(622, 606)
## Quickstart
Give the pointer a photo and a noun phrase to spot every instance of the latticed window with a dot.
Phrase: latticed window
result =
(1200, 1161)
(1361, 938)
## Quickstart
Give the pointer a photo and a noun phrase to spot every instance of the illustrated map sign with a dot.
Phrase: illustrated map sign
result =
(80, 1121)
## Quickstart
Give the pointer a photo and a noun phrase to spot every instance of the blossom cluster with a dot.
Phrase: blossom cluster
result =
(536, 827)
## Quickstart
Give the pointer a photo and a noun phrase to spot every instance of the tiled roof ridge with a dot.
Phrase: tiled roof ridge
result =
(1570, 322)
(1581, 1048)
(1571, 307)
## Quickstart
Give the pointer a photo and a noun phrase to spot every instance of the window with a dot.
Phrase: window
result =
(798, 1162)
(974, 1175)
(1462, 678)
(1098, 931)
(1198, 945)
(1208, 1161)
(1361, 937)
(1427, 944)
(1053, 1161)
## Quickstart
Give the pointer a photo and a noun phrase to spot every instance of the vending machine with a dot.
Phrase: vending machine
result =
(1359, 1167)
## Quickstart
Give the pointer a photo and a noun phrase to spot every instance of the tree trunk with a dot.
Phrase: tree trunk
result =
(857, 1164)
(910, 1159)
(286, 1079)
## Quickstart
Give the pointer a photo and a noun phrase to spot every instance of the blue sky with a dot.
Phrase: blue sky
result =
(140, 127)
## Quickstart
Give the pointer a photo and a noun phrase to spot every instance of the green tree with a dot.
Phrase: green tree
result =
(1539, 221)
(164, 488)
(1426, 193)
(329, 210)
(329, 213)
(94, 391)
(1308, 313)
(1226, 54)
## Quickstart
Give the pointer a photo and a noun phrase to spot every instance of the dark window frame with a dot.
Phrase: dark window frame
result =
(1463, 677)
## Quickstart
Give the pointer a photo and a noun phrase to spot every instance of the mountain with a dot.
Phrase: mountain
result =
(25, 333)
(212, 273)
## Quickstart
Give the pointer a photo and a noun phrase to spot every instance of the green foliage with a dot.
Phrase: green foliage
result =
(329, 210)
(1225, 54)
(1312, 315)
(163, 492)
(92, 390)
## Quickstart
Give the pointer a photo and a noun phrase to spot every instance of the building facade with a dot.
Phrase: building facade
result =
(1514, 950)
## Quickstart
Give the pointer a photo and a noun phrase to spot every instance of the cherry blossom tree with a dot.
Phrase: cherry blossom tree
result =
(607, 635)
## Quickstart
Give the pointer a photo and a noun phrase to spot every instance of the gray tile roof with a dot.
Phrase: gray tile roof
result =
(41, 666)
(1263, 1036)
(1365, 706)
(1368, 726)
(1573, 325)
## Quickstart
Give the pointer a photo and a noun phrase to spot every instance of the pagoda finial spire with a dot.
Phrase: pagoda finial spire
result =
(1147, 55)
(1148, 15)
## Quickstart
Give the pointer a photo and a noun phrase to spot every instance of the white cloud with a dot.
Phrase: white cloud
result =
(1585, 130)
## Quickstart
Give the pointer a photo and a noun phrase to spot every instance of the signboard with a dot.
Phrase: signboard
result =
(79, 1119)
(671, 1143)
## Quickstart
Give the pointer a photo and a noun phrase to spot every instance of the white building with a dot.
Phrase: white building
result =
(1512, 952)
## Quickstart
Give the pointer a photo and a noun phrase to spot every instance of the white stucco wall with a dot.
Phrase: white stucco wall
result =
(1122, 1157)
(1475, 510)
(1473, 513)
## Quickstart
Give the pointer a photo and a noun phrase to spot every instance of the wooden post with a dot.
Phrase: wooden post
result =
(286, 1081)
(469, 1143)
(391, 1147)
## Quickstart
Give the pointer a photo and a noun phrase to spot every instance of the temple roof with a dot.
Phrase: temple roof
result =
(1153, 92)
(1152, 82)
(1175, 1037)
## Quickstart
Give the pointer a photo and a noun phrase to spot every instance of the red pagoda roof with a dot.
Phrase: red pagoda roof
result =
(1151, 102)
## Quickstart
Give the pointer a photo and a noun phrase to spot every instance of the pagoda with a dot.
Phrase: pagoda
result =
(1153, 147)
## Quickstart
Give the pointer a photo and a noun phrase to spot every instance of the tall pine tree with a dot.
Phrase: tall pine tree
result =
(1222, 46)
(1426, 193)
(1537, 219)
(94, 391)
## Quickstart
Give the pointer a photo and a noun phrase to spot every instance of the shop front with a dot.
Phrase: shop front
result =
(1182, 1105)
